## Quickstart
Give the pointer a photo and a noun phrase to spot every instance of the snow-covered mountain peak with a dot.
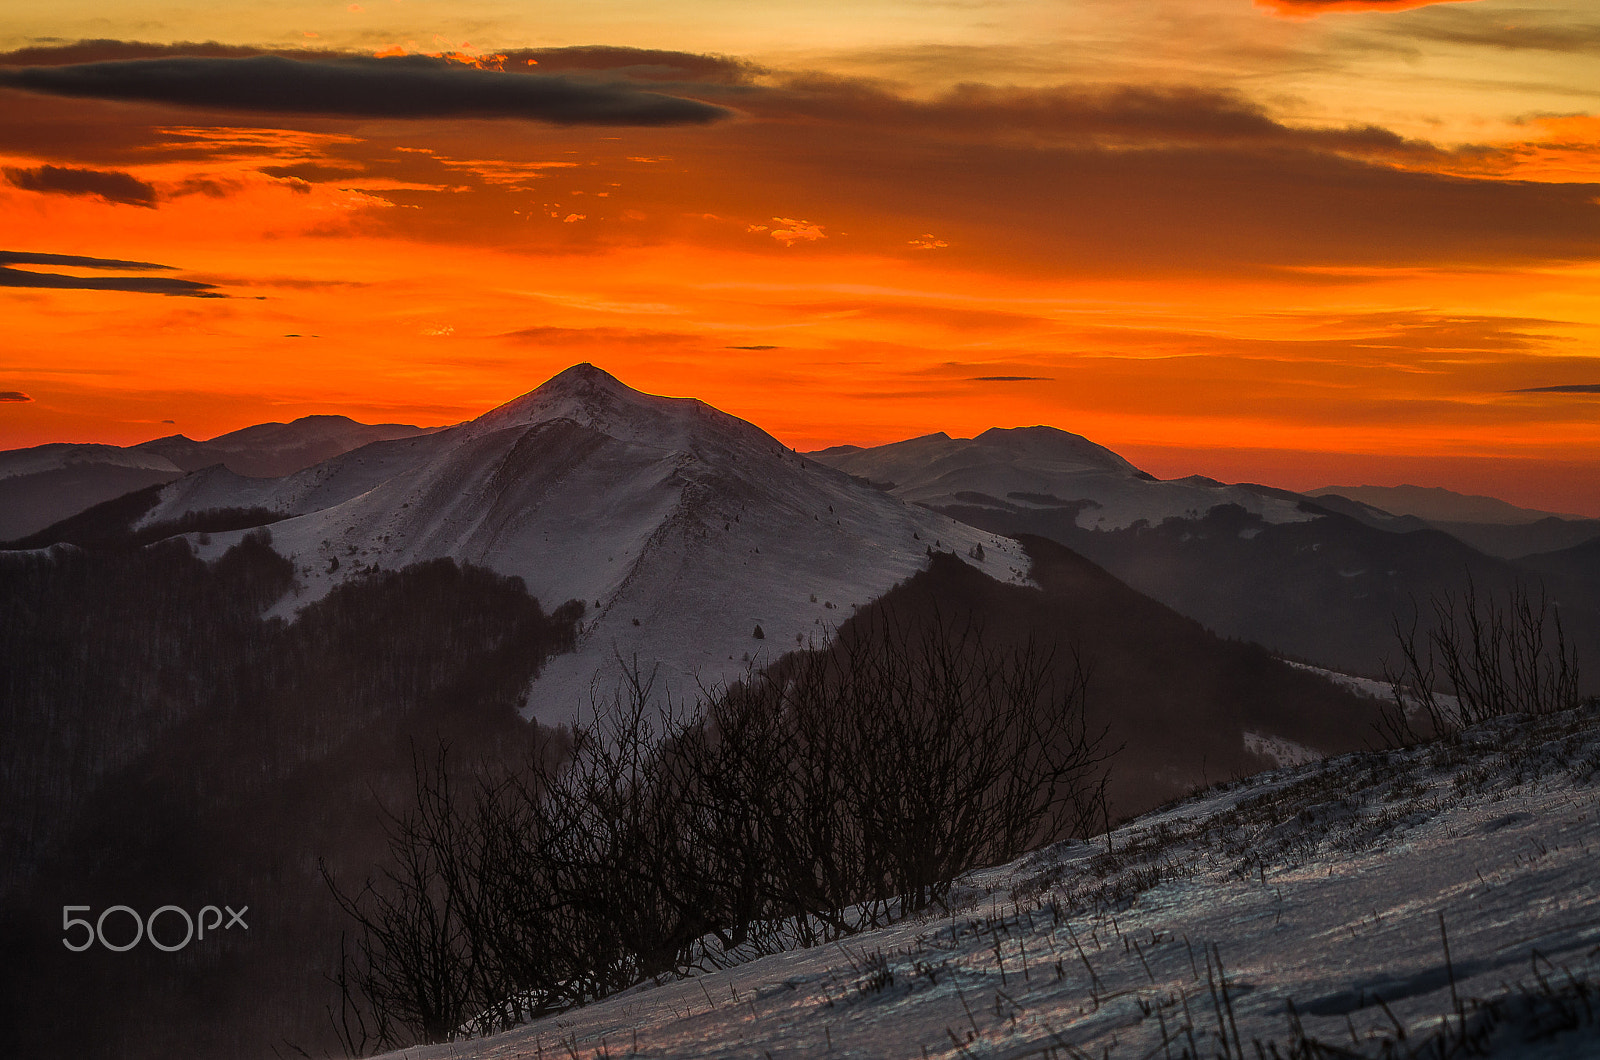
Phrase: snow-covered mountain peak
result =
(594, 398)
(1055, 445)
(695, 539)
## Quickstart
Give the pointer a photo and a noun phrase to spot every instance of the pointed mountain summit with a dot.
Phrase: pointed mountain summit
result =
(680, 527)
(595, 399)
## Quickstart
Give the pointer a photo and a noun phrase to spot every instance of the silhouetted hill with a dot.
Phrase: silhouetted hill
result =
(1327, 589)
(1177, 698)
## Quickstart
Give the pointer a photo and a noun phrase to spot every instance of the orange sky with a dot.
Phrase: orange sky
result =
(1293, 242)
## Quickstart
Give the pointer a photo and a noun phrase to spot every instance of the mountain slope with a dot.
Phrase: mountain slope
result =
(47, 483)
(683, 529)
(1184, 705)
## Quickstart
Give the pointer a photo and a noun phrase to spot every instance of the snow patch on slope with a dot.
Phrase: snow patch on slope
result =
(58, 455)
(1325, 885)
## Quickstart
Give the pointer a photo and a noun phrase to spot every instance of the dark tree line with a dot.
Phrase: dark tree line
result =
(161, 741)
(837, 790)
(100, 654)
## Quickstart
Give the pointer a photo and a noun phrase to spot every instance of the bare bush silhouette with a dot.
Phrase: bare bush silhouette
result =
(836, 790)
(1482, 657)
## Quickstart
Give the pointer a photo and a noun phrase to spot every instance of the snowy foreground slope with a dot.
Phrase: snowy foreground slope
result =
(681, 528)
(1321, 887)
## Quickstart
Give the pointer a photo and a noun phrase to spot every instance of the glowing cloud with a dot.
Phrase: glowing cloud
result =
(1313, 8)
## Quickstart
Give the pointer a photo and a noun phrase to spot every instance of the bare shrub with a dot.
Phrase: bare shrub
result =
(838, 789)
(1482, 657)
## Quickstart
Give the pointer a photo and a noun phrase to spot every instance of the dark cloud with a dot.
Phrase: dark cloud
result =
(110, 185)
(1566, 388)
(404, 87)
(99, 51)
(313, 172)
(1013, 378)
(644, 64)
(1116, 117)
(211, 189)
(10, 277)
(139, 284)
(20, 257)
(14, 395)
(752, 347)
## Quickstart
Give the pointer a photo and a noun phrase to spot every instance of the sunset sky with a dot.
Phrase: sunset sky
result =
(1300, 242)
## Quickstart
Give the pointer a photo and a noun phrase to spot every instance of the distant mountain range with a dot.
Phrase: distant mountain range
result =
(646, 508)
(1439, 505)
(1321, 578)
(1487, 524)
(45, 484)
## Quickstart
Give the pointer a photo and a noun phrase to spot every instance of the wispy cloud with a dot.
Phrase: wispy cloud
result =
(1565, 388)
(1487, 29)
(14, 395)
(110, 185)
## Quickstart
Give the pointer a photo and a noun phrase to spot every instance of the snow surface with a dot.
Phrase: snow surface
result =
(680, 527)
(1043, 468)
(1323, 885)
(58, 455)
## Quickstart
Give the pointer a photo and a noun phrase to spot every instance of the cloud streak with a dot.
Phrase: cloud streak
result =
(111, 185)
(1565, 388)
(1481, 29)
(403, 87)
(167, 285)
(22, 257)
(14, 395)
